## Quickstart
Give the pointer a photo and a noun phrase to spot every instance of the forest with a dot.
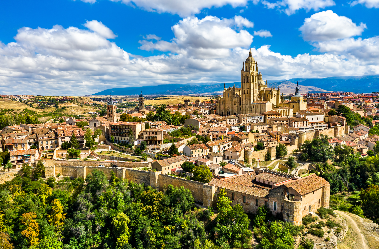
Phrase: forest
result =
(347, 172)
(36, 212)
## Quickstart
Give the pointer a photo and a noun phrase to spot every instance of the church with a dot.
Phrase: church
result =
(255, 97)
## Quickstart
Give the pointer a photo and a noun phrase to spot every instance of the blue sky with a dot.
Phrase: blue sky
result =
(66, 47)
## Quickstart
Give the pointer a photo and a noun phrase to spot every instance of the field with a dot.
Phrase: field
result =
(174, 100)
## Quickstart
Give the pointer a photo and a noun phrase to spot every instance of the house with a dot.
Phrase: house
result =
(195, 150)
(165, 166)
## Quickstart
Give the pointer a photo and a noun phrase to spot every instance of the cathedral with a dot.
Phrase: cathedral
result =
(254, 96)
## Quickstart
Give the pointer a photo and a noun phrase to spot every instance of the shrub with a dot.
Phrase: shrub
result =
(357, 210)
(318, 225)
(332, 224)
(327, 239)
(324, 212)
(306, 244)
(316, 232)
(308, 219)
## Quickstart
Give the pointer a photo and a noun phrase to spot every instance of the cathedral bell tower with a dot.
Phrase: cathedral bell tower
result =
(249, 83)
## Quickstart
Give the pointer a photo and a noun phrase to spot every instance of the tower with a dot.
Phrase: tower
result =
(111, 110)
(141, 102)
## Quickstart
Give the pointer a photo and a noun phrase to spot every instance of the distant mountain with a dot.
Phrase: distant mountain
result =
(174, 89)
(349, 84)
(364, 84)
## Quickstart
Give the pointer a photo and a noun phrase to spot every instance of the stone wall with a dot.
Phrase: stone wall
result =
(7, 176)
(75, 163)
(194, 186)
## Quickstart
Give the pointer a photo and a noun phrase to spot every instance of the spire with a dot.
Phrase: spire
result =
(297, 90)
(250, 53)
(224, 85)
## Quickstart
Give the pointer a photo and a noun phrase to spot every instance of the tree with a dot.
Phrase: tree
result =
(222, 164)
(173, 150)
(232, 224)
(74, 142)
(90, 142)
(31, 229)
(137, 151)
(56, 218)
(188, 166)
(65, 145)
(82, 124)
(291, 163)
(8, 165)
(39, 171)
(268, 156)
(370, 202)
(73, 153)
(342, 153)
(281, 151)
(112, 139)
(318, 150)
(259, 146)
(122, 233)
(332, 112)
(202, 174)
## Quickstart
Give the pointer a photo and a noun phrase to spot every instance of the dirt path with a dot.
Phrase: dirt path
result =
(360, 240)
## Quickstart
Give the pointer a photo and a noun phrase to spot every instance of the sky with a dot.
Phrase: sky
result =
(80, 47)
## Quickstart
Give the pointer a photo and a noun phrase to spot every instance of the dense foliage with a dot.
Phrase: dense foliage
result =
(162, 114)
(9, 118)
(97, 213)
(352, 118)
(318, 150)
(281, 151)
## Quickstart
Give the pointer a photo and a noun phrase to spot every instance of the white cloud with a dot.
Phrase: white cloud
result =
(194, 36)
(327, 25)
(262, 33)
(100, 29)
(367, 3)
(152, 37)
(291, 6)
(364, 49)
(182, 7)
(74, 61)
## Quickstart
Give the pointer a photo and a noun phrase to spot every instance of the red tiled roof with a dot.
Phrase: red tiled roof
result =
(307, 184)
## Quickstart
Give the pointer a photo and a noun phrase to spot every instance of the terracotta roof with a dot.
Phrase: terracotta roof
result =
(23, 152)
(231, 168)
(242, 183)
(307, 184)
(169, 161)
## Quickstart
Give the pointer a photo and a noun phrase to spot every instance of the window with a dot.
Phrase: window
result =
(310, 208)
(232, 196)
(244, 199)
(266, 203)
(274, 205)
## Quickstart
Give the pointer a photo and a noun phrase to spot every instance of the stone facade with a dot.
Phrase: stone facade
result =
(254, 96)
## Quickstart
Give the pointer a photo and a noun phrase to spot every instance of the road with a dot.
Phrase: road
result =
(361, 242)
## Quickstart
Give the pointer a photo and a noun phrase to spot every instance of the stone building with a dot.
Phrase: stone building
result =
(111, 111)
(292, 197)
(253, 97)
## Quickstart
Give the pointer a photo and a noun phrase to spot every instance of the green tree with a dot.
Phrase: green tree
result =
(65, 145)
(332, 112)
(268, 156)
(188, 166)
(318, 150)
(82, 124)
(232, 224)
(342, 153)
(291, 163)
(259, 146)
(90, 142)
(173, 150)
(74, 142)
(39, 171)
(122, 233)
(281, 151)
(202, 174)
(73, 153)
(370, 202)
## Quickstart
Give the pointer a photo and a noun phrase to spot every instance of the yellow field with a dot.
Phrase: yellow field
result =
(14, 105)
(174, 100)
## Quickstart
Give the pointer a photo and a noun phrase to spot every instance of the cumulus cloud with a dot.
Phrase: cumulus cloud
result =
(100, 29)
(181, 7)
(291, 6)
(209, 36)
(75, 61)
(262, 33)
(89, 1)
(327, 25)
(367, 3)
